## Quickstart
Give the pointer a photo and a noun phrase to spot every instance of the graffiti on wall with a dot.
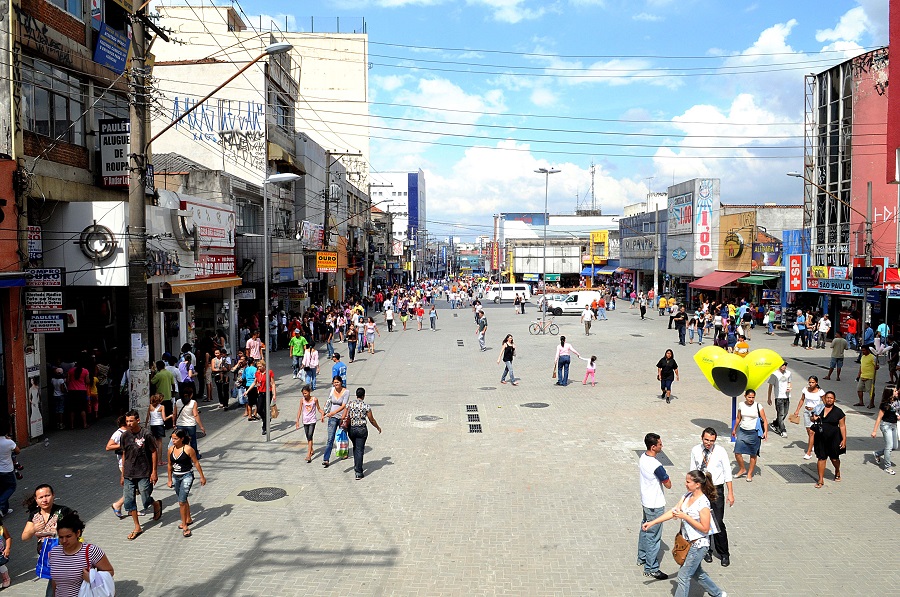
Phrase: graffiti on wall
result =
(875, 65)
(37, 35)
(237, 127)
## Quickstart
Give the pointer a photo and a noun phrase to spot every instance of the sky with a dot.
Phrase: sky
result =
(480, 93)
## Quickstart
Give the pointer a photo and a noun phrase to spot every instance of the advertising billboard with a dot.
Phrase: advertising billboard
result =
(681, 214)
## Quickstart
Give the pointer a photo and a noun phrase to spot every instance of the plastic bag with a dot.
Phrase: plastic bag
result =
(343, 443)
(101, 585)
(43, 564)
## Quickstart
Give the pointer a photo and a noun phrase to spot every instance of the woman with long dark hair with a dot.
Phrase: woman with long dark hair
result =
(829, 425)
(42, 520)
(666, 373)
(72, 559)
(182, 461)
(507, 352)
(693, 510)
(563, 359)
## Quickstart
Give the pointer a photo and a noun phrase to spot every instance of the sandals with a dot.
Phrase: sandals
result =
(186, 533)
(837, 478)
(117, 512)
(157, 510)
(181, 525)
(739, 475)
(819, 485)
(135, 534)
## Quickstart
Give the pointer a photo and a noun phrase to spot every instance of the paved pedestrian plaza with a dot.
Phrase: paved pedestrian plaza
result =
(543, 501)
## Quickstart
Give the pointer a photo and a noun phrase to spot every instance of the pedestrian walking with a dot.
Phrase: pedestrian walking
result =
(811, 398)
(261, 380)
(642, 302)
(156, 420)
(221, 366)
(695, 515)
(865, 379)
(750, 429)
(306, 415)
(590, 371)
(432, 318)
(507, 352)
(653, 478)
(516, 304)
(838, 346)
(823, 328)
(8, 448)
(359, 412)
(389, 316)
(482, 329)
(707, 457)
(800, 329)
(780, 385)
(352, 337)
(76, 395)
(41, 523)
(587, 316)
(886, 421)
(182, 459)
(139, 459)
(680, 320)
(188, 417)
(5, 547)
(297, 348)
(72, 560)
(372, 330)
(339, 369)
(830, 427)
(563, 359)
(666, 373)
(338, 398)
(114, 440)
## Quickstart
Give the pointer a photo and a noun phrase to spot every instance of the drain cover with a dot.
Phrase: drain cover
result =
(535, 405)
(471, 408)
(456, 315)
(263, 494)
(488, 388)
(475, 428)
(400, 395)
(793, 473)
(459, 343)
(427, 418)
(474, 419)
(638, 335)
(663, 459)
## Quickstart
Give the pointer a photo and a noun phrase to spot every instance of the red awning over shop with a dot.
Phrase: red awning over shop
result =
(716, 280)
(891, 274)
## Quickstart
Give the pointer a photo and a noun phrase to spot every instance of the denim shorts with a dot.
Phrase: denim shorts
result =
(839, 363)
(159, 431)
(182, 486)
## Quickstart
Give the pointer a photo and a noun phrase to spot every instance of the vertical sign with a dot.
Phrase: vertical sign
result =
(115, 135)
(35, 243)
(703, 248)
(796, 273)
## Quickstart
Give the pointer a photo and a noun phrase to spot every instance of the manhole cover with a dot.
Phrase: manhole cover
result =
(399, 395)
(535, 405)
(263, 494)
(427, 418)
(471, 408)
(475, 428)
(638, 335)
(488, 388)
(793, 473)
(459, 343)
(474, 419)
(663, 459)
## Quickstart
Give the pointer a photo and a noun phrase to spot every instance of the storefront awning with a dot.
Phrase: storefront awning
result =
(207, 284)
(587, 271)
(622, 270)
(716, 280)
(757, 279)
(892, 274)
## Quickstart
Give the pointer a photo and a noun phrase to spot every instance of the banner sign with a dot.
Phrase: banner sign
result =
(865, 277)
(326, 262)
(766, 254)
(45, 323)
(35, 243)
(112, 49)
(115, 135)
(214, 266)
(796, 273)
(704, 217)
(47, 276)
(681, 214)
(245, 294)
(39, 300)
(769, 294)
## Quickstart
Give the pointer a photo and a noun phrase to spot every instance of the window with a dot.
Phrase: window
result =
(249, 218)
(73, 7)
(53, 102)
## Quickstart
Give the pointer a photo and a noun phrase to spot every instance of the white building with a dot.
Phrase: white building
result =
(406, 201)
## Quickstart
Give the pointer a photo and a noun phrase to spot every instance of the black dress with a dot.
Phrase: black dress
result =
(827, 443)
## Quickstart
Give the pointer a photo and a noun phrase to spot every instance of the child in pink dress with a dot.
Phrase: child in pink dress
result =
(589, 373)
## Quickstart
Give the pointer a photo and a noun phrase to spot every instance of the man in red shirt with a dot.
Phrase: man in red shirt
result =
(851, 330)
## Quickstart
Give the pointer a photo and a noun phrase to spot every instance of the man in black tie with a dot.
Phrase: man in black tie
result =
(709, 458)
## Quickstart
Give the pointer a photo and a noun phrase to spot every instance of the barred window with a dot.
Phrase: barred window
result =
(73, 7)
(53, 102)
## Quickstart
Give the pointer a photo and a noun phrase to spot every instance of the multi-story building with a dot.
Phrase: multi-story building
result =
(406, 201)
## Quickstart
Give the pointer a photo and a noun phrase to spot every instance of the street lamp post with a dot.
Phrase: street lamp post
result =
(546, 172)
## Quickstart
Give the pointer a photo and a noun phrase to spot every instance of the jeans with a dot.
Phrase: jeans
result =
(332, 429)
(801, 338)
(681, 331)
(351, 346)
(433, 321)
(820, 343)
(329, 346)
(601, 312)
(691, 334)
(295, 364)
(717, 509)
(508, 369)
(143, 487)
(771, 327)
(192, 431)
(649, 541)
(781, 411)
(691, 568)
(888, 431)
(562, 370)
(358, 436)
(481, 341)
(7, 488)
(273, 342)
(182, 486)
(310, 378)
(700, 334)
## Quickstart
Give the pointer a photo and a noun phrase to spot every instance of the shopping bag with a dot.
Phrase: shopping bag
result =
(795, 419)
(343, 443)
(43, 564)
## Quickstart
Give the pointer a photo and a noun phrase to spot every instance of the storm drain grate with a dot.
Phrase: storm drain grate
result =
(456, 315)
(793, 473)
(471, 408)
(263, 494)
(427, 418)
(663, 459)
(488, 388)
(535, 405)
(474, 419)
(474, 428)
(398, 395)
(459, 343)
(638, 335)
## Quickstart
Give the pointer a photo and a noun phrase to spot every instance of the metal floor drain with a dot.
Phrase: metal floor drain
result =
(474, 428)
(459, 343)
(399, 395)
(793, 473)
(471, 408)
(663, 459)
(474, 419)
(535, 405)
(638, 335)
(488, 388)
(456, 315)
(427, 418)
(263, 494)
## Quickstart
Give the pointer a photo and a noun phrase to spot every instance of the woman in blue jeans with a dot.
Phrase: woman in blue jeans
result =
(358, 412)
(693, 510)
(886, 421)
(563, 358)
(334, 409)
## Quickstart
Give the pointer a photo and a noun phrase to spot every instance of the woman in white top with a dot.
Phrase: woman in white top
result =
(563, 358)
(338, 398)
(188, 417)
(750, 418)
(811, 397)
(372, 329)
(696, 526)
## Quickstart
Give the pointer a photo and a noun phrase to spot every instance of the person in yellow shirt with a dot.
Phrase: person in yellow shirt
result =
(742, 348)
(865, 379)
(662, 306)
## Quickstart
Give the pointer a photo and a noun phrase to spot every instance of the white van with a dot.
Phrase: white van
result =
(507, 292)
(574, 302)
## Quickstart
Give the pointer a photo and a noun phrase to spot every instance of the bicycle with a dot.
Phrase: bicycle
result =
(542, 326)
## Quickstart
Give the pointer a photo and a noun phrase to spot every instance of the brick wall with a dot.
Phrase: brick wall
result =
(56, 18)
(62, 153)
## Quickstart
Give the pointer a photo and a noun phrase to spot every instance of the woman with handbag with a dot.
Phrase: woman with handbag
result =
(830, 428)
(43, 517)
(259, 387)
(71, 561)
(811, 398)
(887, 422)
(693, 510)
(358, 412)
(338, 398)
(750, 428)
(239, 383)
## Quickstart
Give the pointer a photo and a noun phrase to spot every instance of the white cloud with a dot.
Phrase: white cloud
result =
(510, 11)
(646, 16)
(389, 82)
(543, 97)
(852, 25)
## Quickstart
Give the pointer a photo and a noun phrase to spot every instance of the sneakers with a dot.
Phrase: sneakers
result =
(784, 434)
(807, 456)
(5, 580)
(890, 471)
(877, 457)
(658, 575)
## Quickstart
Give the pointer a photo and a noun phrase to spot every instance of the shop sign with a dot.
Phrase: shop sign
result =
(734, 245)
(796, 273)
(172, 305)
(819, 271)
(214, 223)
(245, 294)
(112, 49)
(873, 295)
(766, 254)
(282, 274)
(865, 277)
(40, 300)
(681, 214)
(46, 276)
(35, 243)
(829, 286)
(115, 137)
(214, 266)
(838, 273)
(551, 277)
(705, 197)
(769, 294)
(326, 262)
(45, 323)
(530, 277)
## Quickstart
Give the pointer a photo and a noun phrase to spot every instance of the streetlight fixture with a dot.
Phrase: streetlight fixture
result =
(267, 265)
(546, 172)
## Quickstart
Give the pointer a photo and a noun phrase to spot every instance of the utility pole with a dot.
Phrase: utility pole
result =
(138, 365)
(867, 307)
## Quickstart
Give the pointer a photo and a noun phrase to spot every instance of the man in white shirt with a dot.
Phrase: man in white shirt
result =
(707, 457)
(586, 317)
(653, 478)
(823, 328)
(780, 383)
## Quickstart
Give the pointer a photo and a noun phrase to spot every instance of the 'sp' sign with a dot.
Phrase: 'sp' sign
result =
(796, 273)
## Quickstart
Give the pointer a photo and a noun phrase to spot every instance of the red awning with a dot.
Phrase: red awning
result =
(891, 274)
(716, 280)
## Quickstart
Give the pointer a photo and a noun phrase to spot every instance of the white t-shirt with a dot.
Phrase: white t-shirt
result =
(6, 449)
(824, 325)
(58, 386)
(812, 399)
(693, 510)
(652, 475)
(587, 315)
(780, 382)
(749, 414)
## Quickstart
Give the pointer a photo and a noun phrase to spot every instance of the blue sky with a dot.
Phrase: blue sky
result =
(479, 93)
